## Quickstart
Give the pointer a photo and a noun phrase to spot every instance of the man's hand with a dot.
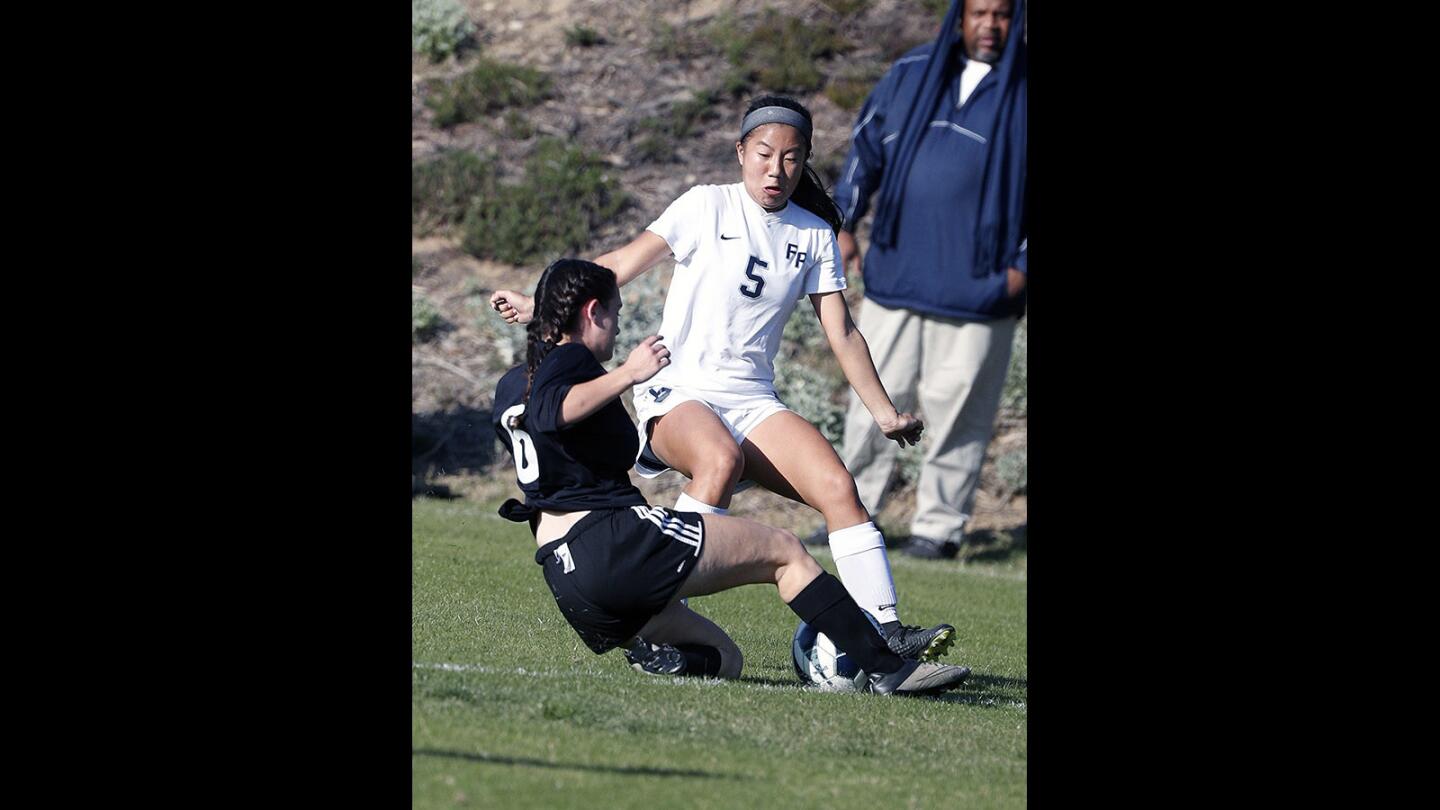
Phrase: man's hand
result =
(1014, 282)
(904, 428)
(514, 307)
(646, 360)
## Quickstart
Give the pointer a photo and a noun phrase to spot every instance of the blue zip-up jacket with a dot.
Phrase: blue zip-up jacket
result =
(935, 265)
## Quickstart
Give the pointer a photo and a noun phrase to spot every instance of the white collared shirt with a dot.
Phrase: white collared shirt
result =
(974, 71)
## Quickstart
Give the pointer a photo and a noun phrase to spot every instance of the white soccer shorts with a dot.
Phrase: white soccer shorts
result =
(740, 413)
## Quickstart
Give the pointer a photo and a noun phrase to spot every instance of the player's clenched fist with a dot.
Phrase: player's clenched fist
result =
(514, 307)
(904, 428)
(646, 360)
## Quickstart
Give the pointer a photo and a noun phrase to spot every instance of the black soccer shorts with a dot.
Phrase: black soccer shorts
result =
(616, 568)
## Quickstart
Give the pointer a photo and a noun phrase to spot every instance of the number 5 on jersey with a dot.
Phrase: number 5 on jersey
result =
(750, 274)
(527, 465)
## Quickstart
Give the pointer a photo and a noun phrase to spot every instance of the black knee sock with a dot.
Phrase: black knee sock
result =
(825, 605)
(700, 659)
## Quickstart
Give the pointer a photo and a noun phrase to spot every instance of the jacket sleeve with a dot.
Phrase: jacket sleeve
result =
(1019, 258)
(865, 165)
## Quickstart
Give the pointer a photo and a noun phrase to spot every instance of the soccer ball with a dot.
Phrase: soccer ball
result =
(818, 663)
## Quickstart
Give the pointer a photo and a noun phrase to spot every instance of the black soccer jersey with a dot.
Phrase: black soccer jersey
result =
(581, 466)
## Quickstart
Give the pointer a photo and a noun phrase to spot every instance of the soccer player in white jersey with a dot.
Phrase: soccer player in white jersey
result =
(745, 254)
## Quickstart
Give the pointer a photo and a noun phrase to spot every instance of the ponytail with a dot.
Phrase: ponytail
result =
(560, 293)
(810, 194)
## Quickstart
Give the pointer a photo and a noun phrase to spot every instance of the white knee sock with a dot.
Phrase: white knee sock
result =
(685, 503)
(859, 553)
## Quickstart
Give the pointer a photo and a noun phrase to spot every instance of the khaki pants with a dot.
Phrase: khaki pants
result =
(957, 368)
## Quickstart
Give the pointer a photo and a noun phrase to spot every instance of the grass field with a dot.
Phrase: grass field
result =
(509, 709)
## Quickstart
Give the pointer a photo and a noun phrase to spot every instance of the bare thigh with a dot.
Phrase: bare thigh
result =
(693, 440)
(789, 456)
(743, 552)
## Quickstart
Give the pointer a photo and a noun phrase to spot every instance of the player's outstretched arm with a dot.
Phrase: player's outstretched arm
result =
(853, 353)
(628, 262)
(644, 362)
(644, 252)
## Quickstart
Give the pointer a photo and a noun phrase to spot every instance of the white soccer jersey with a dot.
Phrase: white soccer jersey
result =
(739, 272)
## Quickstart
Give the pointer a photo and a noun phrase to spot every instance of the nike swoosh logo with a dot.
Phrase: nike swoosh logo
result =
(723, 236)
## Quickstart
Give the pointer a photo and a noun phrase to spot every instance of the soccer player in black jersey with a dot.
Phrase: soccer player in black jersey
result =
(617, 566)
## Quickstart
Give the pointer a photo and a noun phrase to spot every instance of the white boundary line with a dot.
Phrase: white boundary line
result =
(606, 676)
(649, 680)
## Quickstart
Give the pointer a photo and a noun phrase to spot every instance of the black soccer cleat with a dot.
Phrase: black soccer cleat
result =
(654, 659)
(919, 643)
(918, 678)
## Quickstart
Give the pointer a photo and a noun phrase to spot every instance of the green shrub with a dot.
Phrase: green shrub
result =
(656, 147)
(442, 188)
(735, 82)
(938, 8)
(1013, 400)
(849, 87)
(484, 89)
(729, 36)
(1011, 468)
(910, 461)
(583, 37)
(663, 133)
(685, 115)
(506, 340)
(668, 42)
(803, 333)
(895, 41)
(644, 309)
(439, 28)
(807, 376)
(425, 320)
(846, 8)
(811, 391)
(790, 73)
(517, 126)
(777, 52)
(566, 193)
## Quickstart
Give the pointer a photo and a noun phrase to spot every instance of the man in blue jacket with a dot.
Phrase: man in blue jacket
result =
(941, 147)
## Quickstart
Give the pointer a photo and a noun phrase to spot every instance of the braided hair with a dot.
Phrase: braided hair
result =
(562, 291)
(810, 194)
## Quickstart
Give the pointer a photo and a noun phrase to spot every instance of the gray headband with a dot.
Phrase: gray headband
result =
(775, 115)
